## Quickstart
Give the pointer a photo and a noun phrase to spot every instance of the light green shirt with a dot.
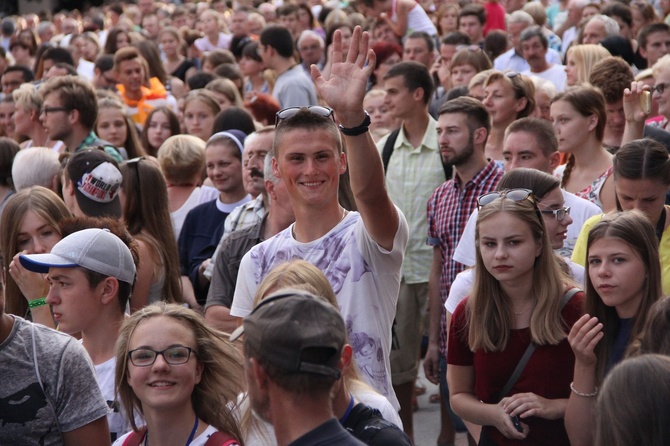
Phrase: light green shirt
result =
(412, 176)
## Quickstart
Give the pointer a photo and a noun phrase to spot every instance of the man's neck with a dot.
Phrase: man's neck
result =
(540, 68)
(468, 170)
(277, 221)
(282, 65)
(134, 95)
(415, 127)
(100, 339)
(307, 228)
(230, 197)
(75, 138)
(292, 418)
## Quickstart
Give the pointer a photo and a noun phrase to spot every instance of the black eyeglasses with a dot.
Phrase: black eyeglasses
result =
(559, 214)
(292, 111)
(144, 357)
(516, 195)
(47, 110)
(660, 88)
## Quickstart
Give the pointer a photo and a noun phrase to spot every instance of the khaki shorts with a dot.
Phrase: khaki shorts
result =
(410, 312)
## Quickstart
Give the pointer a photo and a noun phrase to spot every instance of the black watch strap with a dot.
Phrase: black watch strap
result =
(359, 130)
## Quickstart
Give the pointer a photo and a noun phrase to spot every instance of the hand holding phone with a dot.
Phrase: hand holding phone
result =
(517, 423)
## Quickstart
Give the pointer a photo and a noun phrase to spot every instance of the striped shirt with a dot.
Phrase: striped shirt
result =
(448, 210)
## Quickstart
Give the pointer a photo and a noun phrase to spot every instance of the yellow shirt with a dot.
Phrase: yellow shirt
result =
(579, 253)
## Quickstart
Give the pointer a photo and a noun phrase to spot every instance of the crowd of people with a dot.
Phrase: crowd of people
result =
(249, 223)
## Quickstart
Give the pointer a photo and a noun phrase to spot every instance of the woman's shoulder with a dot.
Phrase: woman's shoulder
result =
(574, 308)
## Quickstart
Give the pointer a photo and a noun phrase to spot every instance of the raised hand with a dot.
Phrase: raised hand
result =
(583, 338)
(631, 102)
(345, 88)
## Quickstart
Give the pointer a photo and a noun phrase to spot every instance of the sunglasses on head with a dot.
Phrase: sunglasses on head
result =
(516, 195)
(290, 112)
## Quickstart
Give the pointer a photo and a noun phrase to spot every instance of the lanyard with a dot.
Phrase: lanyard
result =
(348, 411)
(190, 437)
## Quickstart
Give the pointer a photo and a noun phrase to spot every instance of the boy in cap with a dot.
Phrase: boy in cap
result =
(292, 347)
(91, 181)
(91, 274)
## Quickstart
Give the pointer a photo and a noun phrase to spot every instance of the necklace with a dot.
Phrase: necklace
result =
(190, 437)
(523, 312)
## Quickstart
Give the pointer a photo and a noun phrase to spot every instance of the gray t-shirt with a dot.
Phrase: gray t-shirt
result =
(26, 416)
(294, 89)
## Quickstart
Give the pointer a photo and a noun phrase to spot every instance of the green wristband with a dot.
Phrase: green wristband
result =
(37, 302)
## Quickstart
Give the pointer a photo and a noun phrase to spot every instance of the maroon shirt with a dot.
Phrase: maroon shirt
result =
(547, 374)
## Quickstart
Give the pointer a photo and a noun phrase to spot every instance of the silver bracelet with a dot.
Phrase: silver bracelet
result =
(585, 395)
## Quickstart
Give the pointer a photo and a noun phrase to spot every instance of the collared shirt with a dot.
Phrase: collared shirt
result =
(513, 61)
(245, 216)
(448, 211)
(92, 141)
(412, 176)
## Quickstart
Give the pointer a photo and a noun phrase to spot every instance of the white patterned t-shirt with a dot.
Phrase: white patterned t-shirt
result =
(364, 276)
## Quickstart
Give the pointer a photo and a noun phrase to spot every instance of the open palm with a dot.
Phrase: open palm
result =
(345, 89)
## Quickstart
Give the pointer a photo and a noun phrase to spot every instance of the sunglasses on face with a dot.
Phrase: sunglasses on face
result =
(559, 214)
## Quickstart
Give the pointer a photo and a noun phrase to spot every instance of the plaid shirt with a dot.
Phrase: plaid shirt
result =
(448, 210)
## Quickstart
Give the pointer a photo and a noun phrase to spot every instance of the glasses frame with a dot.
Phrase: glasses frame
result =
(290, 112)
(559, 214)
(162, 353)
(660, 87)
(46, 110)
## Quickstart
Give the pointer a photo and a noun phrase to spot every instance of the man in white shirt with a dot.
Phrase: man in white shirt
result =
(534, 47)
(360, 253)
(512, 59)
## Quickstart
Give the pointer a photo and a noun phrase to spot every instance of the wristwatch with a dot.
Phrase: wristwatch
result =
(359, 130)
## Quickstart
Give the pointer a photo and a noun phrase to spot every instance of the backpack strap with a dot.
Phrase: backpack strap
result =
(388, 148)
(387, 151)
(135, 437)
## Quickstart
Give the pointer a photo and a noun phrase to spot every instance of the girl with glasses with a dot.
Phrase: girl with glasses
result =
(623, 281)
(182, 377)
(520, 296)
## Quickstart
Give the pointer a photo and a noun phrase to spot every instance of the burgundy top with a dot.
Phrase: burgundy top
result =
(547, 374)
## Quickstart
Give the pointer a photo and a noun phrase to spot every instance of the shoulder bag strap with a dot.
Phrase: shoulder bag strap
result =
(387, 151)
(529, 351)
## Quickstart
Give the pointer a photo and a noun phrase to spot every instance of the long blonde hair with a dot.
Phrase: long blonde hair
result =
(490, 319)
(214, 398)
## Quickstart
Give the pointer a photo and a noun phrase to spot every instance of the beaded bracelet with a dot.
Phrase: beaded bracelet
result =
(585, 395)
(37, 302)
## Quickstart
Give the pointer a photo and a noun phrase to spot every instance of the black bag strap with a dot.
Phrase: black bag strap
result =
(388, 148)
(529, 351)
(387, 151)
